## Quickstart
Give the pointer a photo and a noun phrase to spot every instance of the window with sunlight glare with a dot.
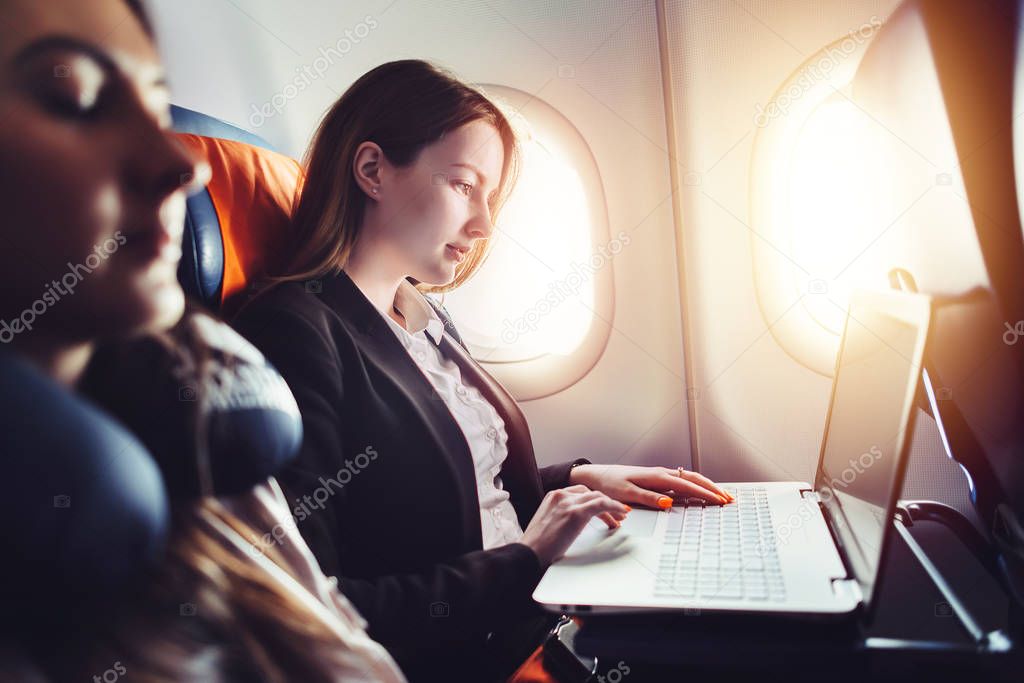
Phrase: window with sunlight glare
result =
(815, 191)
(829, 197)
(528, 299)
(537, 293)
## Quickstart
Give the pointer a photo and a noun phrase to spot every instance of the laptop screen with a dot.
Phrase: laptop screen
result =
(862, 457)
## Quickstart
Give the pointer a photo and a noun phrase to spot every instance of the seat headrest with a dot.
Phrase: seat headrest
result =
(84, 503)
(235, 228)
(204, 125)
(216, 416)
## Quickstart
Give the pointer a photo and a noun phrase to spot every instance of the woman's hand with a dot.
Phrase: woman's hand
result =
(561, 517)
(656, 487)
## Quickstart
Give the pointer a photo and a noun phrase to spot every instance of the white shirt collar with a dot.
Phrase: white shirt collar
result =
(418, 313)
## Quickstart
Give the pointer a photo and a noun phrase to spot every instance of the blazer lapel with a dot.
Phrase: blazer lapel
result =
(519, 473)
(383, 349)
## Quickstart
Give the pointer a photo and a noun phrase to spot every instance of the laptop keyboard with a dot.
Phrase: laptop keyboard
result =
(722, 552)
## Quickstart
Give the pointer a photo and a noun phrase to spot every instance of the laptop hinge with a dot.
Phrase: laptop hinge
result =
(815, 498)
(848, 589)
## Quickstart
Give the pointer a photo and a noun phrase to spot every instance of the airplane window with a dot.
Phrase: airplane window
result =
(829, 204)
(539, 309)
(544, 227)
(812, 204)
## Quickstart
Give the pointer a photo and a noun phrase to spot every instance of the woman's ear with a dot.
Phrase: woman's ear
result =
(366, 167)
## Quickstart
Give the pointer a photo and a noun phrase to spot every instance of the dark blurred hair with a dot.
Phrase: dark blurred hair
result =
(140, 13)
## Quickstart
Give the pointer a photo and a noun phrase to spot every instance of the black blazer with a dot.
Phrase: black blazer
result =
(384, 489)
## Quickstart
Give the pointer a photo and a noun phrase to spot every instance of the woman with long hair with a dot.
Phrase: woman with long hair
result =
(440, 538)
(94, 184)
(239, 595)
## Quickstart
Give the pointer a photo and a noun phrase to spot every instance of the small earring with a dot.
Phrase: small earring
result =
(374, 190)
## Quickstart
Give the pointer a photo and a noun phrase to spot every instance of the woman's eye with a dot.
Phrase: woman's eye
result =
(65, 104)
(468, 189)
(72, 90)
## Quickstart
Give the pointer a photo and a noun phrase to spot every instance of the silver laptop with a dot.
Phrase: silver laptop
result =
(784, 547)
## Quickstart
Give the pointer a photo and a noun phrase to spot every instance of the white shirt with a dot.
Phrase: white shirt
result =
(480, 423)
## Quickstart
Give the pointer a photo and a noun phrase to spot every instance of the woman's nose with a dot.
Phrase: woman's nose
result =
(162, 165)
(178, 168)
(481, 226)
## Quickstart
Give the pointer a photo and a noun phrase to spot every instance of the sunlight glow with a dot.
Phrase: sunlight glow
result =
(535, 293)
(829, 205)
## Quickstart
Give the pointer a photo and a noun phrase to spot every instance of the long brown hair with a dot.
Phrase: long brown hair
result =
(403, 106)
(206, 614)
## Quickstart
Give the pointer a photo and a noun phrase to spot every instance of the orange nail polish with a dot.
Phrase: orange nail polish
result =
(629, 509)
(664, 502)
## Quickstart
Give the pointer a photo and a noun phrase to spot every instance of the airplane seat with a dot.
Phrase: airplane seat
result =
(939, 78)
(91, 504)
(235, 226)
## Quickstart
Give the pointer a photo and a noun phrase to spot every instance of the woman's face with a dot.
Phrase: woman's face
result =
(92, 184)
(427, 212)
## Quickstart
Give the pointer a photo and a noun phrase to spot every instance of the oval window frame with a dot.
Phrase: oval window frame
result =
(795, 328)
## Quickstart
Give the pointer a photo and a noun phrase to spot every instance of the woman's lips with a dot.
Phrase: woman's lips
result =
(152, 245)
(455, 253)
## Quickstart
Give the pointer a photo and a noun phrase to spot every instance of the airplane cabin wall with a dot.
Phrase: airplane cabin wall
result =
(760, 414)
